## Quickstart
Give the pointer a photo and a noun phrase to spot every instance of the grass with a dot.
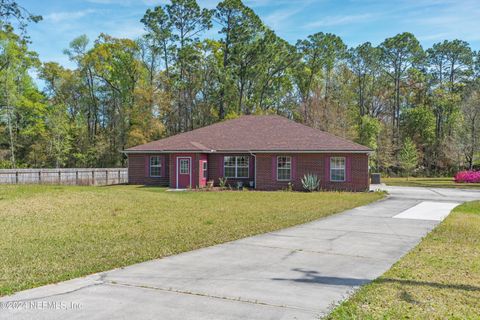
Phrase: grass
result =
(439, 279)
(429, 183)
(54, 233)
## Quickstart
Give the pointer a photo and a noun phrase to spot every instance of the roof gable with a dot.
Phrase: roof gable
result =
(255, 134)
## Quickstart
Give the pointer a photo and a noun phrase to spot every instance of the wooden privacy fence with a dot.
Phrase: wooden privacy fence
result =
(70, 176)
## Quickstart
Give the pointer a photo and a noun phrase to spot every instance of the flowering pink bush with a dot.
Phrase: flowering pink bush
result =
(467, 177)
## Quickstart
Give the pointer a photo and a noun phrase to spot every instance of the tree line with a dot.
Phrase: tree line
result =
(396, 97)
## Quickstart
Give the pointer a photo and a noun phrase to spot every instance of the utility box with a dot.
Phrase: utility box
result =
(375, 178)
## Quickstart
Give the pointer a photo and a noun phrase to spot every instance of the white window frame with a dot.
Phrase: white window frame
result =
(332, 161)
(236, 166)
(289, 168)
(204, 169)
(159, 165)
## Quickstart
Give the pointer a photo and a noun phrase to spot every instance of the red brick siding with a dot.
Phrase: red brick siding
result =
(138, 172)
(215, 169)
(266, 175)
(312, 163)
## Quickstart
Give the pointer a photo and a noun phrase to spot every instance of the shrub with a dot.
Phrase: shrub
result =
(467, 177)
(222, 182)
(290, 187)
(310, 182)
(210, 184)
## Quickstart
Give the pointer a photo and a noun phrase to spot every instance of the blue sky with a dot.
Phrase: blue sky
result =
(356, 21)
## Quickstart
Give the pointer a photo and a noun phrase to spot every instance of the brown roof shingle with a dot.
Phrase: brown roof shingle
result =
(252, 133)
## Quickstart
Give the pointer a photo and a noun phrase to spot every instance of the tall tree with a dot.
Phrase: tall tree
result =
(239, 26)
(20, 101)
(321, 52)
(470, 137)
(364, 61)
(399, 54)
(158, 39)
(188, 22)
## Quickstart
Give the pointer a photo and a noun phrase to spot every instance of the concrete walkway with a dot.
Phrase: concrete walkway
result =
(295, 273)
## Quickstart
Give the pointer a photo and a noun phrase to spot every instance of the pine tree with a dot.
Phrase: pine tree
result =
(408, 156)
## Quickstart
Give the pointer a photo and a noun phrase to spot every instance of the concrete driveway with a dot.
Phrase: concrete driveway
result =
(295, 273)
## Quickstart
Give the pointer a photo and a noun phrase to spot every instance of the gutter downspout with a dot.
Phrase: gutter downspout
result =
(255, 171)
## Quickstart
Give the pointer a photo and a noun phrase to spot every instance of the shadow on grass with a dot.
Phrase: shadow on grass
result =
(314, 277)
(465, 287)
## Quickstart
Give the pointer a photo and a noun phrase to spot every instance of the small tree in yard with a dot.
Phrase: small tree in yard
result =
(408, 156)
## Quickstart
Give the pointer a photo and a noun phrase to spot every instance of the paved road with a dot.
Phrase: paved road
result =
(295, 273)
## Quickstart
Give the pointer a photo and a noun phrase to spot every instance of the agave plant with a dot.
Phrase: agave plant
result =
(310, 182)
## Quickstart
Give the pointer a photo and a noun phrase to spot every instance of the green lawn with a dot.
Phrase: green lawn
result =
(54, 233)
(439, 279)
(429, 183)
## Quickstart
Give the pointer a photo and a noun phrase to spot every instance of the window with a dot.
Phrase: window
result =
(184, 166)
(284, 168)
(155, 166)
(236, 166)
(205, 166)
(337, 169)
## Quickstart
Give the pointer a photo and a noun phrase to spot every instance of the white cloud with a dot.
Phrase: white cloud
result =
(67, 15)
(340, 20)
(278, 18)
(264, 3)
(283, 18)
(131, 30)
(449, 21)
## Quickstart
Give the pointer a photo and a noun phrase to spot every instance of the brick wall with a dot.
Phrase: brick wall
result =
(357, 179)
(357, 176)
(138, 170)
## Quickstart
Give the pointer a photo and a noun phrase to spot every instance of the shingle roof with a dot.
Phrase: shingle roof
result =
(252, 133)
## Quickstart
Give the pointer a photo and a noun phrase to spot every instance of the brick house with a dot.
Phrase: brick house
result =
(265, 152)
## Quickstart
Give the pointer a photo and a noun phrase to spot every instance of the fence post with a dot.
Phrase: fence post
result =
(93, 177)
(106, 177)
(59, 177)
(76, 177)
(40, 176)
(119, 181)
(16, 177)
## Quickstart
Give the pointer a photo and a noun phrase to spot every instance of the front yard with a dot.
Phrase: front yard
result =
(54, 233)
(429, 183)
(439, 279)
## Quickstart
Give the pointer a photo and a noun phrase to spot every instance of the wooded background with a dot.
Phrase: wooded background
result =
(419, 109)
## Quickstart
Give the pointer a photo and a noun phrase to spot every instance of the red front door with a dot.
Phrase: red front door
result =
(184, 172)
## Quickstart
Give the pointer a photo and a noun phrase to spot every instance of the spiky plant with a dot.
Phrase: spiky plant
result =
(310, 182)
